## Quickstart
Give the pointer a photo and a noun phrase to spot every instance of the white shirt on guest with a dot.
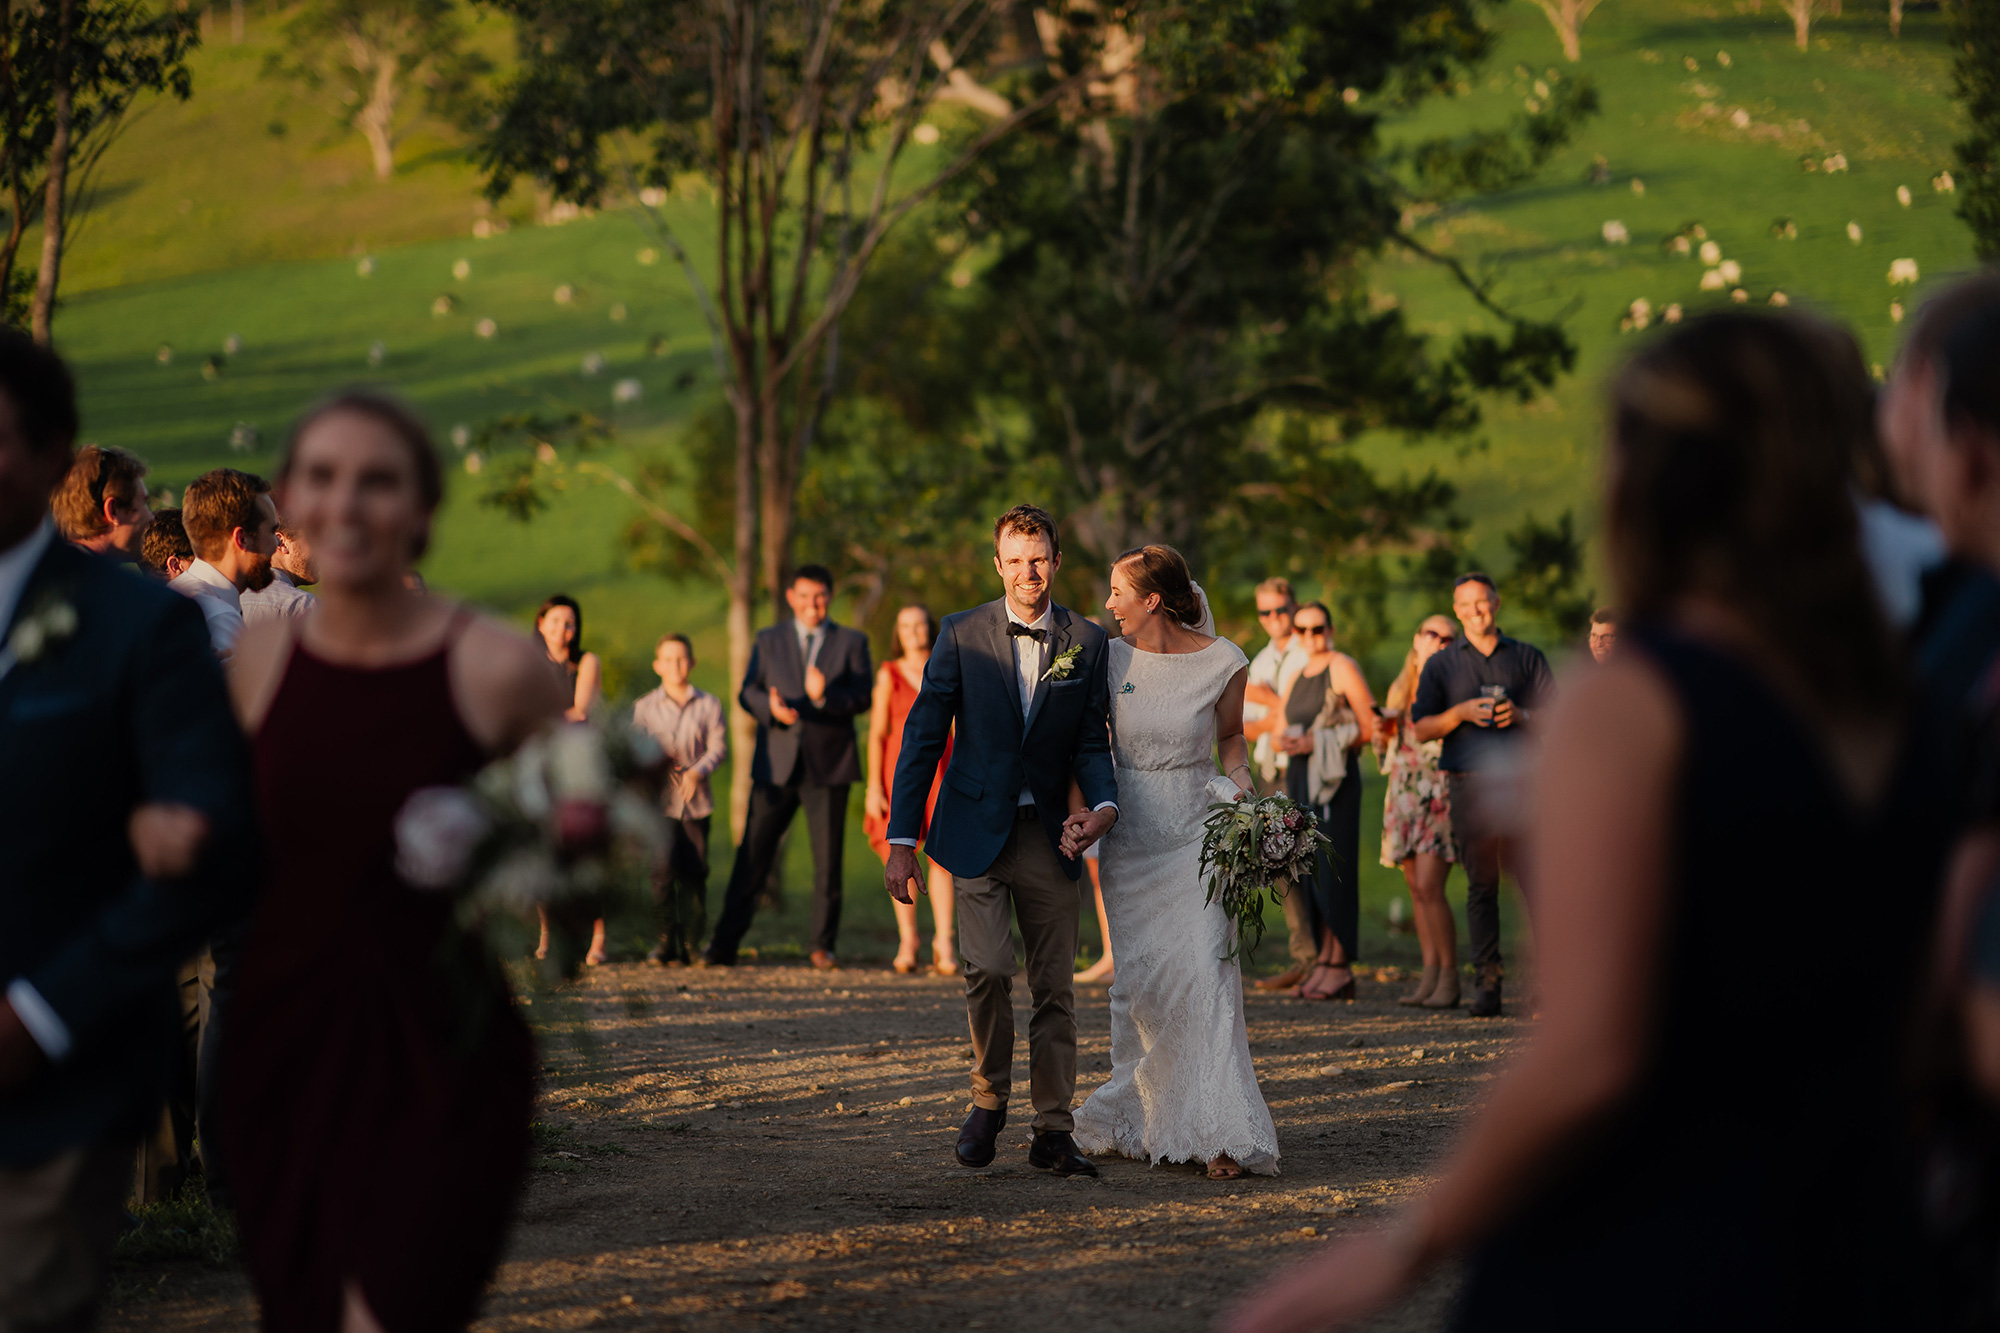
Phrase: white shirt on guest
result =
(281, 599)
(221, 605)
(1276, 669)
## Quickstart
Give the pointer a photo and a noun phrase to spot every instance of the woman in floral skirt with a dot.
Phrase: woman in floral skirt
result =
(1416, 823)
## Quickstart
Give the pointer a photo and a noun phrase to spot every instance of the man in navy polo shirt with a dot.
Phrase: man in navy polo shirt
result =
(1479, 694)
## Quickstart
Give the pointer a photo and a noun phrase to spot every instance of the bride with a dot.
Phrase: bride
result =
(1182, 1087)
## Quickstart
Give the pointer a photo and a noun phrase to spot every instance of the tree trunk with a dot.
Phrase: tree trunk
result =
(16, 185)
(1896, 18)
(236, 21)
(1565, 18)
(52, 207)
(377, 118)
(1801, 12)
(742, 591)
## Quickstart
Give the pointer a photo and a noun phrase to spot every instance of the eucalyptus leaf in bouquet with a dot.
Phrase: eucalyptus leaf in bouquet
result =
(1254, 848)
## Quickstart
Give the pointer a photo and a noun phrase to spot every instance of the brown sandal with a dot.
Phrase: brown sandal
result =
(1224, 1167)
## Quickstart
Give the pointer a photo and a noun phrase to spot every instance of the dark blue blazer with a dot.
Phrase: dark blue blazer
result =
(820, 749)
(971, 681)
(129, 709)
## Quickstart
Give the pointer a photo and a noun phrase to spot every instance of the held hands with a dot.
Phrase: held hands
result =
(781, 712)
(1479, 712)
(899, 874)
(167, 838)
(689, 782)
(815, 685)
(1503, 713)
(1085, 827)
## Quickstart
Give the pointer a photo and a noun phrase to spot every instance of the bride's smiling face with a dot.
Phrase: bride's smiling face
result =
(1127, 605)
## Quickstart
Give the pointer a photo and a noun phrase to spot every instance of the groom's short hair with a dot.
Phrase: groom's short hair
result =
(1027, 521)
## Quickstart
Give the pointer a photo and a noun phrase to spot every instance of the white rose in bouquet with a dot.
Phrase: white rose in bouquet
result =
(437, 830)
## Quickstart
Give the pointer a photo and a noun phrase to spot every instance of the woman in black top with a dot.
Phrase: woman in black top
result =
(1674, 1151)
(1329, 695)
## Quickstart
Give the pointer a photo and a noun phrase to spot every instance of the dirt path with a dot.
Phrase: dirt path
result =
(771, 1145)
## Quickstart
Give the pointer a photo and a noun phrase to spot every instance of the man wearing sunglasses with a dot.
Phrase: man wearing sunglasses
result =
(1478, 693)
(1272, 671)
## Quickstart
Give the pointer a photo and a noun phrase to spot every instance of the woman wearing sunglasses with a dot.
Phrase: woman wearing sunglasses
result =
(1416, 823)
(1329, 716)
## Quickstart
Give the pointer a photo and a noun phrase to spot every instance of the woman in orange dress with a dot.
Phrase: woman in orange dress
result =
(896, 686)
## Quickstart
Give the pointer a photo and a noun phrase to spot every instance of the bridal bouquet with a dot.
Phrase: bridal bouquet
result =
(561, 824)
(1253, 847)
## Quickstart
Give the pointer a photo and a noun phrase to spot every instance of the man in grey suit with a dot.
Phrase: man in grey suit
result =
(1023, 681)
(807, 679)
(126, 828)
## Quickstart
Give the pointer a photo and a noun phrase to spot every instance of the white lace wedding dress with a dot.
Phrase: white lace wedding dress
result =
(1182, 1086)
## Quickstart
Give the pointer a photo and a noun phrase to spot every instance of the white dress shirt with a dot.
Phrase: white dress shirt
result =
(17, 564)
(221, 605)
(281, 599)
(1028, 657)
(810, 642)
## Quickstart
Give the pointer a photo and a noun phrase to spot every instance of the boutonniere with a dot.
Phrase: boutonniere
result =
(1064, 663)
(50, 622)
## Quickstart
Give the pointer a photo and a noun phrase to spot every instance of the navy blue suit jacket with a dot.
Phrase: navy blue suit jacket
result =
(820, 747)
(971, 681)
(129, 709)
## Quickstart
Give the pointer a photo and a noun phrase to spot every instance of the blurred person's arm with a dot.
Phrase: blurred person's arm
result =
(589, 683)
(1431, 717)
(189, 756)
(876, 803)
(1600, 830)
(1347, 679)
(1967, 964)
(850, 689)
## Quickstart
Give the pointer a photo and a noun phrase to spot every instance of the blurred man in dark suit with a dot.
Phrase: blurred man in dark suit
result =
(808, 679)
(125, 819)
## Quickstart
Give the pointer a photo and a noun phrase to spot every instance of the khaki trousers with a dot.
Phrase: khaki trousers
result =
(58, 1221)
(1028, 878)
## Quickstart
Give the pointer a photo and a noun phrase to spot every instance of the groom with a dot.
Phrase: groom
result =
(1024, 681)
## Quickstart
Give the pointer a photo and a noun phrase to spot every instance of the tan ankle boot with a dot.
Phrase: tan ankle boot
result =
(1425, 985)
(1444, 995)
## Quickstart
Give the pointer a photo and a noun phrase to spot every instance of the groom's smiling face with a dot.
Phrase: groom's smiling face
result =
(1027, 566)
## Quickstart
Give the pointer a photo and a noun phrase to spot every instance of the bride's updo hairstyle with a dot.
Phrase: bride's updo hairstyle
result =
(1730, 475)
(402, 424)
(1161, 570)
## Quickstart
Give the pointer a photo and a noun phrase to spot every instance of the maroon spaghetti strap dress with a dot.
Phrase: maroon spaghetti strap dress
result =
(378, 1082)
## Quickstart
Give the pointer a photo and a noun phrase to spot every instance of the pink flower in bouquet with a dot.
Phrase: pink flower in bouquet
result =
(1295, 819)
(437, 830)
(583, 826)
(1277, 847)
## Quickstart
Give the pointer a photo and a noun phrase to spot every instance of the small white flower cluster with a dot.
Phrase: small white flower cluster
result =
(1837, 162)
(1615, 234)
(1943, 183)
(626, 391)
(1902, 272)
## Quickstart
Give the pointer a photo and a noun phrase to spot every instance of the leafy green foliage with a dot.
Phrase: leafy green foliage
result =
(1975, 38)
(1548, 569)
(372, 54)
(1500, 158)
(182, 1229)
(115, 51)
(523, 449)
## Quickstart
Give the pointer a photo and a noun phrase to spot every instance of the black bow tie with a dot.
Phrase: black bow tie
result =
(1016, 630)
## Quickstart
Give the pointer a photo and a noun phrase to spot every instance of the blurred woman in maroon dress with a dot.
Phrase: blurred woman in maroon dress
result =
(379, 1083)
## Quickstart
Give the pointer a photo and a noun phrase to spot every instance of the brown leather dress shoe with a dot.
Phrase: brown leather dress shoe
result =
(823, 960)
(1285, 980)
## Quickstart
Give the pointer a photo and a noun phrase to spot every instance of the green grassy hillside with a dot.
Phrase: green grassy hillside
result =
(211, 225)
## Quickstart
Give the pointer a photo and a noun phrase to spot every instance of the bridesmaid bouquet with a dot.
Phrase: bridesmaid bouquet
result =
(563, 823)
(1250, 848)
